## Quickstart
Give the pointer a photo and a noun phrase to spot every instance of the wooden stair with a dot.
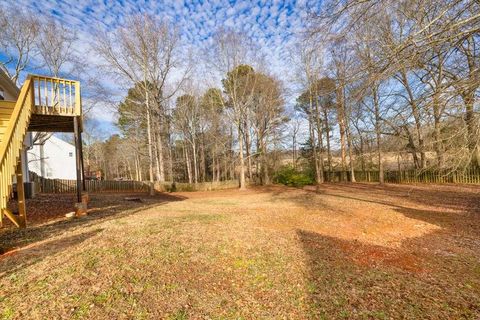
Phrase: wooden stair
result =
(5, 114)
(15, 119)
(40, 100)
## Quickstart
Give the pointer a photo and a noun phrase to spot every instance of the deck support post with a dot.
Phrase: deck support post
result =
(84, 188)
(22, 211)
(78, 147)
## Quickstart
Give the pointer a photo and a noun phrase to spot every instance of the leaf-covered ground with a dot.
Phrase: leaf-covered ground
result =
(337, 251)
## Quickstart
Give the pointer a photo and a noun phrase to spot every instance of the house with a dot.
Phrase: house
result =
(8, 89)
(57, 161)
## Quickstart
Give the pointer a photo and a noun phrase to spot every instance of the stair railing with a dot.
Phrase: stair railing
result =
(12, 143)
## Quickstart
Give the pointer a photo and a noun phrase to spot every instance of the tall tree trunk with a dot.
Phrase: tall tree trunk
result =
(213, 165)
(188, 164)
(129, 170)
(203, 160)
(472, 138)
(352, 165)
(241, 158)
(225, 163)
(467, 90)
(362, 159)
(140, 171)
(150, 145)
(258, 160)
(318, 172)
(170, 159)
(157, 163)
(219, 167)
(195, 161)
(318, 176)
(437, 137)
(411, 146)
(341, 124)
(349, 143)
(318, 123)
(105, 175)
(416, 117)
(266, 176)
(259, 163)
(230, 157)
(327, 132)
(161, 162)
(294, 147)
(116, 170)
(378, 134)
(137, 169)
(248, 149)
(370, 153)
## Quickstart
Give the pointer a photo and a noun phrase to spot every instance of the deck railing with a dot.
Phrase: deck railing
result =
(55, 96)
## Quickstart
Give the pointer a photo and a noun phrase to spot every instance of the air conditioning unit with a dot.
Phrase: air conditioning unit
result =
(29, 188)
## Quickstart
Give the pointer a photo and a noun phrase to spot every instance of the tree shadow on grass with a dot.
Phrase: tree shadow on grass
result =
(304, 198)
(433, 275)
(102, 207)
(18, 259)
(350, 279)
(452, 197)
(465, 219)
(450, 207)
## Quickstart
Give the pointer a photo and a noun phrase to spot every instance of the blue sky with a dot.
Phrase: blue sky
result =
(272, 25)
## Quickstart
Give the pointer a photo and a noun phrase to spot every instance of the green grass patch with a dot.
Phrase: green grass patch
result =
(178, 315)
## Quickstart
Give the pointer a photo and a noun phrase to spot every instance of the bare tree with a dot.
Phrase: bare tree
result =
(56, 48)
(295, 125)
(309, 67)
(267, 114)
(143, 51)
(187, 118)
(19, 32)
(229, 56)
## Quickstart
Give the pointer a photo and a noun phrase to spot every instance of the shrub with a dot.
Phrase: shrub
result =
(290, 176)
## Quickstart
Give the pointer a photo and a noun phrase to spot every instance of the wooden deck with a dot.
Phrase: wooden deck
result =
(56, 104)
(44, 104)
(51, 123)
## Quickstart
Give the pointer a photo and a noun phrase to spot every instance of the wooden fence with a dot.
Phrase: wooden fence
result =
(44, 185)
(467, 176)
(201, 186)
(70, 186)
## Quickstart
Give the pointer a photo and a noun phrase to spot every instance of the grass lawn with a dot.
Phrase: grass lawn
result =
(339, 251)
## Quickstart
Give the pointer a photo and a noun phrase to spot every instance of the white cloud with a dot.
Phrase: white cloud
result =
(278, 22)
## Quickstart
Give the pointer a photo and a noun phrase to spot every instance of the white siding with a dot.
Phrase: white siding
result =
(59, 159)
(10, 91)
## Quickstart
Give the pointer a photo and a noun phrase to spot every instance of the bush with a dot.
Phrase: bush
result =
(289, 176)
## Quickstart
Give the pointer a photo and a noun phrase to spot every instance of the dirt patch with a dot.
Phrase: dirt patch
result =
(374, 256)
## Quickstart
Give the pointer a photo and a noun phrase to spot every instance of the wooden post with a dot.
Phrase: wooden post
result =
(81, 161)
(76, 134)
(21, 196)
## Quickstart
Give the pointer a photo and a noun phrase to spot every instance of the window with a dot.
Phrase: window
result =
(70, 154)
(2, 94)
